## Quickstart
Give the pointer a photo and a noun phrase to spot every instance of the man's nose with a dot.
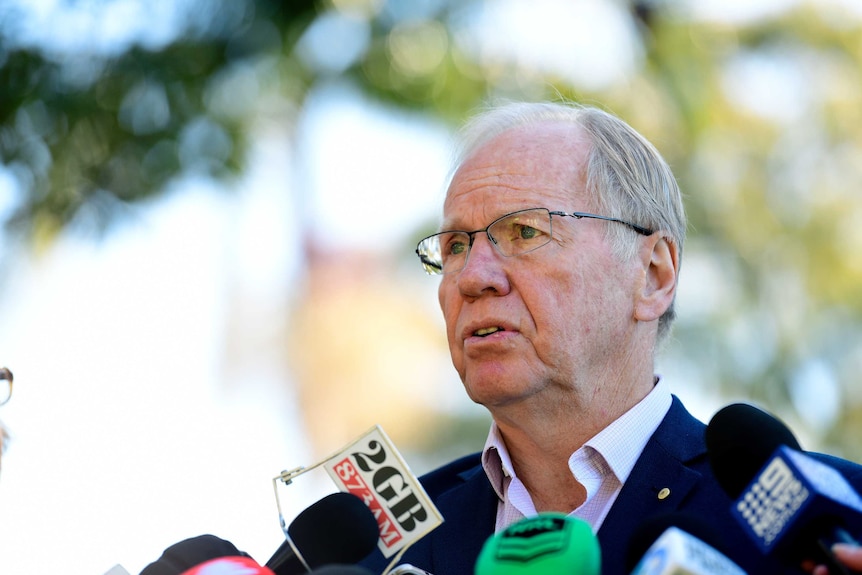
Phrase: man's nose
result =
(482, 247)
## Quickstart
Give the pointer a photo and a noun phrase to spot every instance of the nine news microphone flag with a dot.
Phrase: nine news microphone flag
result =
(372, 469)
(791, 505)
(795, 499)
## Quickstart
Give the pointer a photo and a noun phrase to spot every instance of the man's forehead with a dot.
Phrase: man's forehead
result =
(545, 151)
(525, 167)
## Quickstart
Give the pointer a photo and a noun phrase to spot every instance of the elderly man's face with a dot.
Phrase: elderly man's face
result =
(549, 322)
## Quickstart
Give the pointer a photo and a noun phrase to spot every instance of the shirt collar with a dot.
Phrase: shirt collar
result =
(620, 443)
(496, 460)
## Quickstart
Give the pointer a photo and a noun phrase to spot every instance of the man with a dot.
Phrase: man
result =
(555, 297)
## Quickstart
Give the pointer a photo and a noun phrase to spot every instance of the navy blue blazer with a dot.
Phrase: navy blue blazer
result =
(674, 458)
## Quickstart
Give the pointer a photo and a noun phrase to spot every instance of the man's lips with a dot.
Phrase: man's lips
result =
(485, 329)
(482, 332)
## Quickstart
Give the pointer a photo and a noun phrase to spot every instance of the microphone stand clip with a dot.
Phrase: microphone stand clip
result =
(287, 477)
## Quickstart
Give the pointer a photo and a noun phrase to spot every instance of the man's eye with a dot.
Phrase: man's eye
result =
(527, 232)
(456, 248)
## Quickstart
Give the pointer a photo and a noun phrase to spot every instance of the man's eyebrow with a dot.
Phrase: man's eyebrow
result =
(447, 225)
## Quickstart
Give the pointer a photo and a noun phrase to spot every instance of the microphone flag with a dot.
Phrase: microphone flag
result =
(541, 544)
(791, 493)
(372, 469)
(676, 552)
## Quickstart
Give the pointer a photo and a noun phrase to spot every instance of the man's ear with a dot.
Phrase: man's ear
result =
(660, 260)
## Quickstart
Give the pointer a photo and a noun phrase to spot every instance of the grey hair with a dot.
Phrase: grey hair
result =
(626, 177)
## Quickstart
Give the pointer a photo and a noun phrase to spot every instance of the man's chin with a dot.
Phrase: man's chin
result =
(494, 394)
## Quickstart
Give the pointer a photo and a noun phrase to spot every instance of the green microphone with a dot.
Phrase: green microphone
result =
(546, 544)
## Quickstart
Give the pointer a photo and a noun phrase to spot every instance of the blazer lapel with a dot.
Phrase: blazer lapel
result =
(470, 514)
(658, 484)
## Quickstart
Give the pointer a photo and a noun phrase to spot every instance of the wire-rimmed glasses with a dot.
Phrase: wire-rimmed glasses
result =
(513, 234)
(5, 385)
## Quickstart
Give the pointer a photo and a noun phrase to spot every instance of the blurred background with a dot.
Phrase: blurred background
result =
(209, 210)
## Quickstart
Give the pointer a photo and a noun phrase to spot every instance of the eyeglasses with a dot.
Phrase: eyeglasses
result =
(5, 385)
(514, 234)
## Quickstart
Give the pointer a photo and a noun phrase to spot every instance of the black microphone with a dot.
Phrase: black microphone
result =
(790, 504)
(190, 552)
(338, 529)
(740, 438)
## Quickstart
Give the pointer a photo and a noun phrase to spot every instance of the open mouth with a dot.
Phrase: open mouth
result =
(486, 331)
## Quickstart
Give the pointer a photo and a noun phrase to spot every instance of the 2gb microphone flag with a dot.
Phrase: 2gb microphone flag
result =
(372, 469)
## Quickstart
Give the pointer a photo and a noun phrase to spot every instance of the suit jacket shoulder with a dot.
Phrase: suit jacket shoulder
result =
(673, 474)
(451, 475)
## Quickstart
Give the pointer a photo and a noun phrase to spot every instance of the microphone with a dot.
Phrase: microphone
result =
(740, 438)
(792, 506)
(188, 553)
(407, 569)
(339, 528)
(667, 545)
(229, 566)
(545, 543)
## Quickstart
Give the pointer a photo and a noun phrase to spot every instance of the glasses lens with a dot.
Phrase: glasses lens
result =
(521, 232)
(428, 251)
(444, 253)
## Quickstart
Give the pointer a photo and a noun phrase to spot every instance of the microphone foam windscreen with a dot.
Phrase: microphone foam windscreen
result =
(187, 553)
(740, 439)
(339, 528)
(650, 530)
(539, 545)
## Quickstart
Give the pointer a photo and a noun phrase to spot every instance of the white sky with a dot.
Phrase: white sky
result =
(126, 437)
(374, 173)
